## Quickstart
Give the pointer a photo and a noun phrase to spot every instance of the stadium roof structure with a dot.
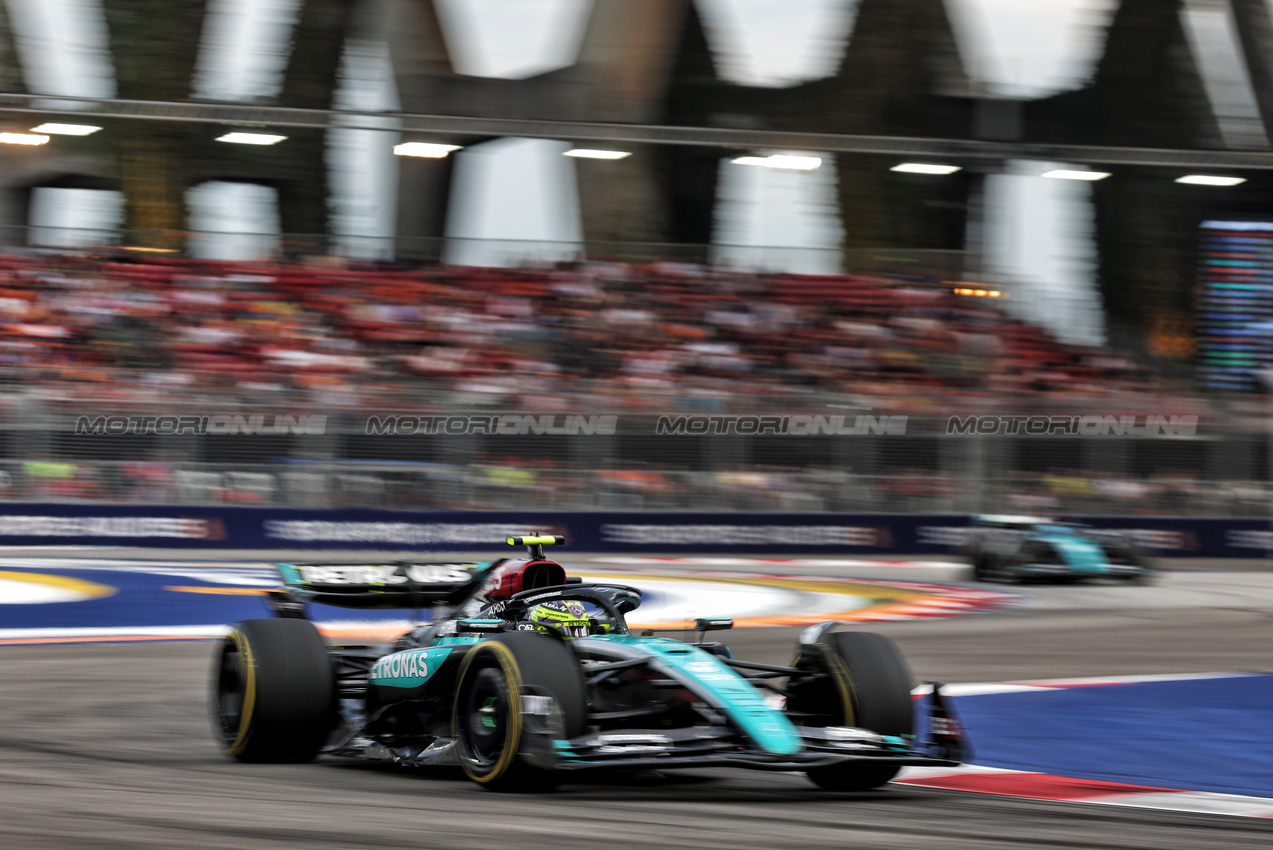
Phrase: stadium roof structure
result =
(722, 137)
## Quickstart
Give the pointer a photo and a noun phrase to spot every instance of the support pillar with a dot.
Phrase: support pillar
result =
(1255, 32)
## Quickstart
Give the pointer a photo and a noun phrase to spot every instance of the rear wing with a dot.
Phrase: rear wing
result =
(403, 584)
(412, 584)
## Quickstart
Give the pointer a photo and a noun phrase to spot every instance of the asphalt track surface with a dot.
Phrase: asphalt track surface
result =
(108, 746)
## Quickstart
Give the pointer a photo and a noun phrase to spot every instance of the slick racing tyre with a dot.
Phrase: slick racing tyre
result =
(983, 567)
(979, 560)
(868, 685)
(488, 723)
(273, 691)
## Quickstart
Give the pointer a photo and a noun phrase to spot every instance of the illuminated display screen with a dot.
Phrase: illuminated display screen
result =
(1235, 306)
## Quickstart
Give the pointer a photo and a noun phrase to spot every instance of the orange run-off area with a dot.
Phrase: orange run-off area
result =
(673, 599)
(798, 601)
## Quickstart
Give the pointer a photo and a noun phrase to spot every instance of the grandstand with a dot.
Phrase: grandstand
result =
(99, 335)
(646, 337)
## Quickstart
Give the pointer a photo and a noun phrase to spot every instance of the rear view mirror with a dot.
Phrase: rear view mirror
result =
(713, 624)
(481, 626)
(626, 602)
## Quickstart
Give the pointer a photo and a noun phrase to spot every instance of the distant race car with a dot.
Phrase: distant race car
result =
(1026, 548)
(525, 676)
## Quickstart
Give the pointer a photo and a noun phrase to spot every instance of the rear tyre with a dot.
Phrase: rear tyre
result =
(871, 690)
(487, 720)
(273, 692)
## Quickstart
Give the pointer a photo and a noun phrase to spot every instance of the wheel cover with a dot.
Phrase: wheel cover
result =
(485, 718)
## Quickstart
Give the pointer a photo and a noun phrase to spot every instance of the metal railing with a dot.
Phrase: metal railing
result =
(511, 487)
(936, 264)
(725, 138)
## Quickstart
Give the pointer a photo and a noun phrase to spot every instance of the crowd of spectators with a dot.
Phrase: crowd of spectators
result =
(618, 337)
(595, 337)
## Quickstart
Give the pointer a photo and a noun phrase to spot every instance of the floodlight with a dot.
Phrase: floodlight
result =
(1068, 174)
(250, 139)
(787, 162)
(585, 153)
(66, 129)
(1210, 180)
(23, 139)
(925, 168)
(427, 150)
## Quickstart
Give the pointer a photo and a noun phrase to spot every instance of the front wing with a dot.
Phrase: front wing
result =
(941, 743)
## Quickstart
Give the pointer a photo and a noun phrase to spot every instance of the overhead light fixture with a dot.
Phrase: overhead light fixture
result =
(1210, 180)
(788, 162)
(978, 292)
(1067, 174)
(23, 139)
(66, 129)
(250, 139)
(428, 150)
(585, 153)
(925, 168)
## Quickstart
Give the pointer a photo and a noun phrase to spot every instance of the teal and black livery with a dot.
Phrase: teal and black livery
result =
(711, 679)
(518, 700)
(1024, 548)
(408, 669)
(400, 584)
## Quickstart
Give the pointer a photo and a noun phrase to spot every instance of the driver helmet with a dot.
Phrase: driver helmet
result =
(566, 617)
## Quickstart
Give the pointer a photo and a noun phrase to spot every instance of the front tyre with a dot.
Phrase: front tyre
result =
(870, 688)
(273, 692)
(488, 722)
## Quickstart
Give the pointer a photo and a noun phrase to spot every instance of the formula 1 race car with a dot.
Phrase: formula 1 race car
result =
(1025, 548)
(525, 676)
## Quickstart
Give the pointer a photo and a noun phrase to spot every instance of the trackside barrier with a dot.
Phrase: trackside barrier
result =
(756, 533)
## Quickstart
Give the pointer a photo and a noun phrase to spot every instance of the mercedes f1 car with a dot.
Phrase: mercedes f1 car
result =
(1024, 548)
(525, 676)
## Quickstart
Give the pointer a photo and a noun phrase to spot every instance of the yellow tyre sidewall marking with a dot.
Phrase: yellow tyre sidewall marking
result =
(512, 678)
(247, 667)
(844, 683)
(90, 589)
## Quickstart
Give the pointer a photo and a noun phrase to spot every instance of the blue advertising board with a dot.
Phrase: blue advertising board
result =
(761, 533)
